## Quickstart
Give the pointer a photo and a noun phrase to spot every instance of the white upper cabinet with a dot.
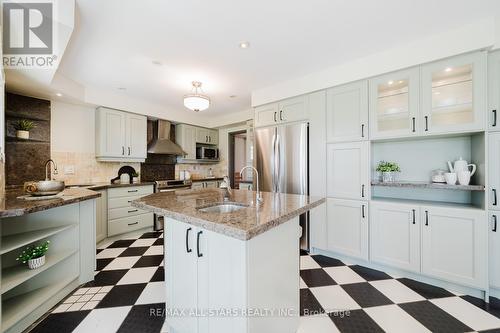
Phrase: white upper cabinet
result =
(348, 170)
(454, 245)
(185, 136)
(120, 136)
(454, 94)
(494, 91)
(266, 115)
(347, 112)
(494, 251)
(207, 136)
(288, 110)
(494, 170)
(394, 99)
(395, 235)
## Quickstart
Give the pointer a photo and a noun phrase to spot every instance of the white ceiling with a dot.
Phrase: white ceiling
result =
(115, 41)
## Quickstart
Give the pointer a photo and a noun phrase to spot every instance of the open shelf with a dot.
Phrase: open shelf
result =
(427, 203)
(413, 184)
(15, 241)
(13, 114)
(14, 276)
(15, 139)
(18, 307)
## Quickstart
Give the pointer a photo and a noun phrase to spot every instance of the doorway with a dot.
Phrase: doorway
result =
(237, 156)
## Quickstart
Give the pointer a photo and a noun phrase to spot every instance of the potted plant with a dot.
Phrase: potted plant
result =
(23, 128)
(34, 255)
(135, 177)
(388, 170)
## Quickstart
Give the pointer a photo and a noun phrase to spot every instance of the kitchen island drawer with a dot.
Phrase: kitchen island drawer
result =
(121, 202)
(121, 212)
(128, 224)
(130, 191)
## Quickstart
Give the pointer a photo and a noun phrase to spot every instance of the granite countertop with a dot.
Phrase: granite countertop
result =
(243, 224)
(10, 205)
(103, 186)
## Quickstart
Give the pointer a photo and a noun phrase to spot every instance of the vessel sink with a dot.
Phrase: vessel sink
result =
(221, 208)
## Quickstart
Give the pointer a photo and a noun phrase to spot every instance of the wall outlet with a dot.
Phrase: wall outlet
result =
(69, 169)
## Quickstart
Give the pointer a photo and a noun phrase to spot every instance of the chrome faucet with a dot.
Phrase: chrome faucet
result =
(258, 195)
(48, 174)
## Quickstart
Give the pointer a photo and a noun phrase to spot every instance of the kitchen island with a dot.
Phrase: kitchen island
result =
(231, 265)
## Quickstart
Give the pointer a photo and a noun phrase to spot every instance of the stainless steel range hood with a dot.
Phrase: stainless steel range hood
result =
(161, 143)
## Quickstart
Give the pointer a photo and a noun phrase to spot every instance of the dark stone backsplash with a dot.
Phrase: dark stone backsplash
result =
(152, 172)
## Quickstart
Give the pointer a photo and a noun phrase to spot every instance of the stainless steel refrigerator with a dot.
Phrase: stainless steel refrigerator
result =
(282, 159)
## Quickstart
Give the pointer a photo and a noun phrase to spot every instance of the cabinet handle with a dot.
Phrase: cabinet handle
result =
(363, 211)
(413, 124)
(413, 212)
(274, 117)
(188, 250)
(363, 190)
(362, 130)
(494, 118)
(281, 115)
(426, 218)
(133, 210)
(133, 223)
(128, 151)
(123, 150)
(198, 244)
(131, 191)
(426, 123)
(209, 138)
(494, 196)
(494, 223)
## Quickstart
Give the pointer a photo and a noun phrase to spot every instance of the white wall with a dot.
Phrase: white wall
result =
(72, 128)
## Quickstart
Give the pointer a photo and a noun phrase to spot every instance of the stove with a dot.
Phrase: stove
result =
(171, 185)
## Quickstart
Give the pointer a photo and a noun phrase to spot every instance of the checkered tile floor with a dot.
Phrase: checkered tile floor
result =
(334, 297)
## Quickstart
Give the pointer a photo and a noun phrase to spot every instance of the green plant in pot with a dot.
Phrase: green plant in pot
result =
(23, 128)
(388, 171)
(34, 255)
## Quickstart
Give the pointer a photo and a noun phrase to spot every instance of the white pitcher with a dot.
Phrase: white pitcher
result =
(461, 165)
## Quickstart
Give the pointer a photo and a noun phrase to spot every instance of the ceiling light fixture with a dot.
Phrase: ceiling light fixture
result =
(244, 45)
(196, 101)
(156, 62)
(58, 94)
(122, 88)
(390, 82)
(448, 69)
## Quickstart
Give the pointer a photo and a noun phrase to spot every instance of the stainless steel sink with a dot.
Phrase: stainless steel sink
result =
(222, 208)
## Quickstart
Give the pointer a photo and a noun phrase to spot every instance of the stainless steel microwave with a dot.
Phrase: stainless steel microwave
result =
(207, 153)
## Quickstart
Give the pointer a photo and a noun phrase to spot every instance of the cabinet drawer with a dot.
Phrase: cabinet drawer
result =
(121, 202)
(118, 213)
(128, 224)
(130, 191)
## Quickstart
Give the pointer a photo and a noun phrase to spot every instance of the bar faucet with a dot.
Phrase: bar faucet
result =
(258, 195)
(48, 174)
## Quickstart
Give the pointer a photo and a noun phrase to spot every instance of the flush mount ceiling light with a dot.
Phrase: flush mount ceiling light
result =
(244, 45)
(196, 101)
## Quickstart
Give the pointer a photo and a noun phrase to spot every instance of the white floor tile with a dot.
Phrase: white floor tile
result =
(306, 262)
(143, 242)
(153, 293)
(303, 285)
(392, 318)
(343, 275)
(90, 305)
(154, 250)
(138, 275)
(104, 244)
(98, 296)
(76, 306)
(334, 298)
(62, 308)
(110, 253)
(106, 289)
(396, 291)
(121, 263)
(85, 298)
(467, 313)
(94, 290)
(103, 320)
(316, 324)
(71, 299)
(81, 291)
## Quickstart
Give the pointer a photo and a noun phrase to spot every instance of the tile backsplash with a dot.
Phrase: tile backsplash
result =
(202, 170)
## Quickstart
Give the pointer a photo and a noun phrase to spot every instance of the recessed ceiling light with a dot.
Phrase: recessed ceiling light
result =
(58, 94)
(437, 93)
(232, 96)
(244, 45)
(400, 81)
(448, 69)
(122, 88)
(156, 62)
(390, 82)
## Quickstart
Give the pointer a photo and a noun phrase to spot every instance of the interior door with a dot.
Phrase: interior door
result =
(265, 157)
(292, 153)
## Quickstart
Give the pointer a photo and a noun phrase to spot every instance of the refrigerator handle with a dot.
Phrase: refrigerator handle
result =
(274, 162)
(278, 166)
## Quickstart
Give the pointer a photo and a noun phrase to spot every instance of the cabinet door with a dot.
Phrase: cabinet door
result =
(494, 91)
(293, 109)
(202, 135)
(347, 112)
(455, 245)
(197, 186)
(181, 272)
(395, 235)
(266, 115)
(101, 219)
(187, 141)
(394, 104)
(348, 170)
(110, 133)
(211, 184)
(213, 137)
(494, 170)
(454, 94)
(494, 251)
(348, 227)
(136, 136)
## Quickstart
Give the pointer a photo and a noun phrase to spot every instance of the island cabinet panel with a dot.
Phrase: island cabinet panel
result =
(494, 249)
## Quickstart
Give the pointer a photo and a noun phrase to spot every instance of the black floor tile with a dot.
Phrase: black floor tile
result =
(146, 318)
(309, 305)
(366, 295)
(151, 235)
(101, 263)
(494, 330)
(64, 322)
(434, 318)
(134, 251)
(355, 321)
(159, 241)
(492, 307)
(370, 274)
(316, 278)
(122, 243)
(148, 261)
(324, 261)
(107, 278)
(303, 252)
(122, 295)
(159, 275)
(425, 290)
(98, 250)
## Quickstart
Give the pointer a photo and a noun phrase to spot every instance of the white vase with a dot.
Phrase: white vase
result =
(23, 134)
(388, 177)
(36, 263)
